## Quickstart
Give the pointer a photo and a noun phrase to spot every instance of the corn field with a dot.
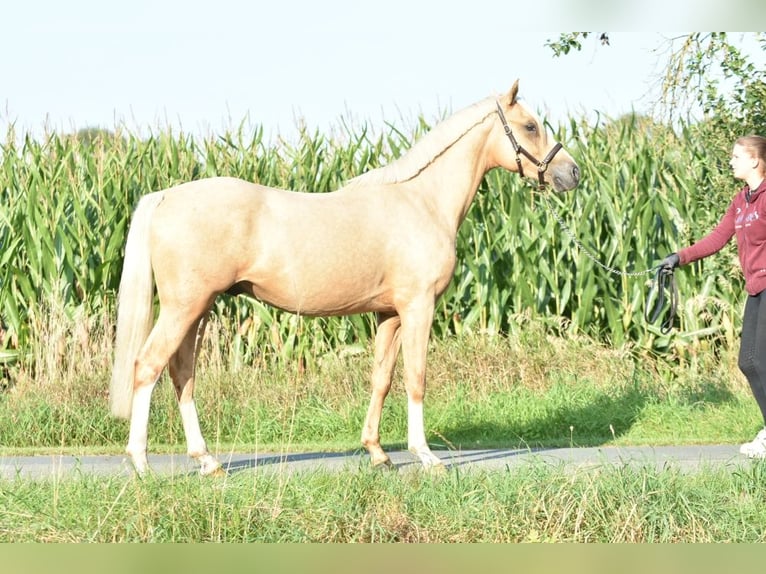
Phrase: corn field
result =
(646, 190)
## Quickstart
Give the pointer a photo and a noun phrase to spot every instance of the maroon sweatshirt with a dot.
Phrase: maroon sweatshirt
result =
(745, 218)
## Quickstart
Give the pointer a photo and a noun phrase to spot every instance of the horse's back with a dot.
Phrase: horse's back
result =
(278, 245)
(330, 253)
(212, 195)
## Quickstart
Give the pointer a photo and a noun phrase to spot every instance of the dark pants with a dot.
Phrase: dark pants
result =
(752, 352)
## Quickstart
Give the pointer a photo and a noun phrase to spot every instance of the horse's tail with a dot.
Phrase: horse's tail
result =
(134, 307)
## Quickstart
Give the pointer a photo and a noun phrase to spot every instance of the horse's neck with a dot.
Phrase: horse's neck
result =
(453, 178)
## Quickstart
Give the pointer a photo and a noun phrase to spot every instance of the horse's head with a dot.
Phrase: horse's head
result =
(521, 144)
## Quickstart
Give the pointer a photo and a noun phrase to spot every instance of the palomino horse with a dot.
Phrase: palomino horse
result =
(384, 243)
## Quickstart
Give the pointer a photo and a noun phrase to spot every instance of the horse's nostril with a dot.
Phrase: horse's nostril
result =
(576, 173)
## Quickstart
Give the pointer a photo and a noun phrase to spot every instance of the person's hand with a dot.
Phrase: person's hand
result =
(670, 262)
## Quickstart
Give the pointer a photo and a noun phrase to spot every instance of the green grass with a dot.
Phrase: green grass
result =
(517, 391)
(538, 503)
(524, 390)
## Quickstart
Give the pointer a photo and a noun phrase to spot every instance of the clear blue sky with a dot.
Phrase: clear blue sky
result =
(206, 65)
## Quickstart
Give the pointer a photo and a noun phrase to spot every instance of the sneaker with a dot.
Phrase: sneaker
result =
(757, 447)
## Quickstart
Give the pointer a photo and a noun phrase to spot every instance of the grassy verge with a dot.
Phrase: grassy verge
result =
(523, 390)
(526, 389)
(535, 504)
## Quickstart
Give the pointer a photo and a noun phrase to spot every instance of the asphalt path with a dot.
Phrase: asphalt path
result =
(685, 458)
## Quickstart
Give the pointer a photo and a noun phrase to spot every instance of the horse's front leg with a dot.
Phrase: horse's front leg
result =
(416, 330)
(181, 367)
(387, 346)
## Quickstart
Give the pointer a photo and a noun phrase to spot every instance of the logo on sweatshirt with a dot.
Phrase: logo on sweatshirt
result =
(747, 218)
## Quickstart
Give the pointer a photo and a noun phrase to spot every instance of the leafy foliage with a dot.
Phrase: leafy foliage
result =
(729, 88)
(714, 88)
(66, 206)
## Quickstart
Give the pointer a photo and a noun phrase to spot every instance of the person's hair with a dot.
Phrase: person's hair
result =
(756, 145)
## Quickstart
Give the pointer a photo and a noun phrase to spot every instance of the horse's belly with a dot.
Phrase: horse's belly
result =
(329, 299)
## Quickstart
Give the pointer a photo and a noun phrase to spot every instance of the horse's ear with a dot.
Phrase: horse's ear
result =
(512, 94)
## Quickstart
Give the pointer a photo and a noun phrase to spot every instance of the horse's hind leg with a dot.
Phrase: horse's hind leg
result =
(162, 343)
(181, 367)
(387, 346)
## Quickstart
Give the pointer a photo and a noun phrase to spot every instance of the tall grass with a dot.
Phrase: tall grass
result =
(538, 503)
(527, 389)
(66, 202)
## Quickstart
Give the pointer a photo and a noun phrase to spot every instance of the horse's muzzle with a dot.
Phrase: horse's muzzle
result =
(565, 177)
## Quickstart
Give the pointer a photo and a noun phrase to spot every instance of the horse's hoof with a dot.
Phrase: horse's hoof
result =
(436, 470)
(384, 465)
(143, 474)
(141, 471)
(217, 472)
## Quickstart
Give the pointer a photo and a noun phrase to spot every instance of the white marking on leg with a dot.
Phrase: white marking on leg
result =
(139, 428)
(196, 445)
(416, 435)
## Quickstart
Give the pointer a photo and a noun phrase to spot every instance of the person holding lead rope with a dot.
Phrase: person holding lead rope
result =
(746, 219)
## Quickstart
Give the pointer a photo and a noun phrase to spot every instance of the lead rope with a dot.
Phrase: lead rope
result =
(664, 279)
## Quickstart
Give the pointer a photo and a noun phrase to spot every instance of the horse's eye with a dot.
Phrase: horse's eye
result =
(531, 128)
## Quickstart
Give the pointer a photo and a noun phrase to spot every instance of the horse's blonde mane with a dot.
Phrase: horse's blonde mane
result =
(429, 147)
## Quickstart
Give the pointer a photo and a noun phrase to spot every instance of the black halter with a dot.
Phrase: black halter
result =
(541, 165)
